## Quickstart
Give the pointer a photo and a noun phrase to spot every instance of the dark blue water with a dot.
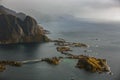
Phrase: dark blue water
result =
(107, 46)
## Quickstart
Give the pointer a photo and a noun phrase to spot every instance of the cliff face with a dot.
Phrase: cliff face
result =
(14, 29)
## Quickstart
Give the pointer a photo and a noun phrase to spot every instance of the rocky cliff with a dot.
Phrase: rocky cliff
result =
(19, 28)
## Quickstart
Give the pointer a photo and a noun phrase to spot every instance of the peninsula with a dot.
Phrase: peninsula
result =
(19, 28)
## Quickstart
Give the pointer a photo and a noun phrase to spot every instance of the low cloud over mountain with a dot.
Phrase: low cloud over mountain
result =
(101, 10)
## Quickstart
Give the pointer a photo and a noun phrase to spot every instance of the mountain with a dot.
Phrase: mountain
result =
(5, 10)
(19, 28)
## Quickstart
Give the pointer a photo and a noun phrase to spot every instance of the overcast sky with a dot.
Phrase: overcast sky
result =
(101, 10)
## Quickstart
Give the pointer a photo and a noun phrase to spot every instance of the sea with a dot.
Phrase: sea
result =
(102, 37)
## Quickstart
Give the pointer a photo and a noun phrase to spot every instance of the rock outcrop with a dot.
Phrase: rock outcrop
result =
(4, 64)
(87, 63)
(53, 60)
(63, 49)
(93, 64)
(62, 42)
(19, 28)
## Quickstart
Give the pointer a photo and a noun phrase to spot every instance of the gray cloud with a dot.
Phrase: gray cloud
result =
(92, 9)
(118, 1)
(0, 2)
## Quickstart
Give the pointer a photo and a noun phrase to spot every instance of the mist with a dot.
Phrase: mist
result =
(0, 2)
(93, 10)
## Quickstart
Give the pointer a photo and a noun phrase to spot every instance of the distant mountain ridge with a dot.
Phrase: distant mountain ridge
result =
(8, 11)
(19, 28)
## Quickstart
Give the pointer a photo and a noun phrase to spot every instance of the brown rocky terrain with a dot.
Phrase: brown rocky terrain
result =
(19, 28)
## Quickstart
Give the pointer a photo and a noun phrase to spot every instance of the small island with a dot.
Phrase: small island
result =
(87, 63)
(21, 28)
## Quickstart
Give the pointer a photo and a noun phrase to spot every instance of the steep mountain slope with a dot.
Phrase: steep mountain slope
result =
(19, 28)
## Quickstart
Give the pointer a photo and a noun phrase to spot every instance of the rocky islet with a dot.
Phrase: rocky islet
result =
(22, 28)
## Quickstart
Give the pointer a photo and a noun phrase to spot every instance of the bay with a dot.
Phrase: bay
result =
(104, 41)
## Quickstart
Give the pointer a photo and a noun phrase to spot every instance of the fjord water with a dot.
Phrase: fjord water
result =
(104, 41)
